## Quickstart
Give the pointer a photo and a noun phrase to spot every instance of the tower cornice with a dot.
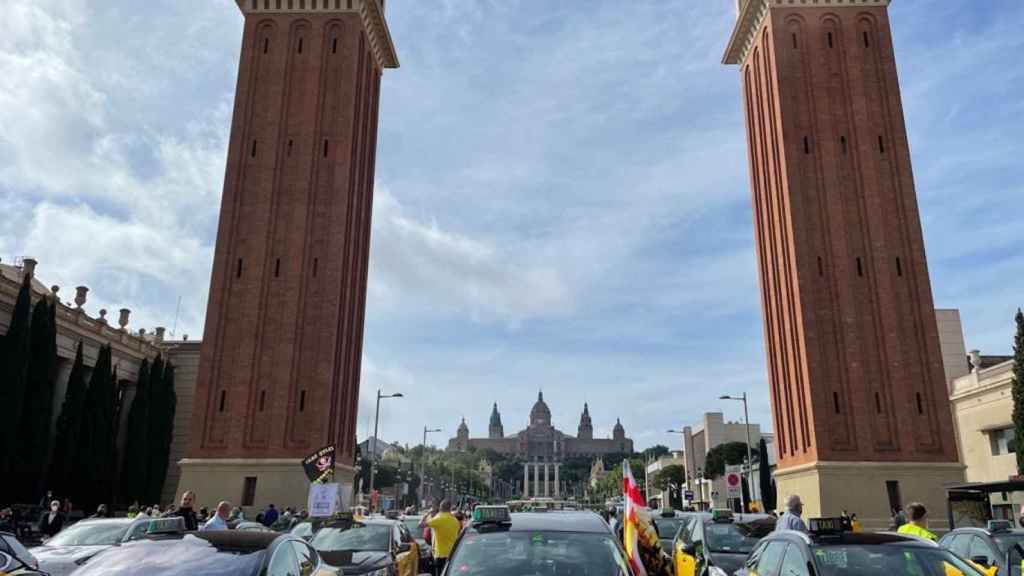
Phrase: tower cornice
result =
(371, 12)
(753, 12)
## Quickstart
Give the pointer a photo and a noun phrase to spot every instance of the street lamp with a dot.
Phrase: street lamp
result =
(746, 422)
(373, 444)
(423, 459)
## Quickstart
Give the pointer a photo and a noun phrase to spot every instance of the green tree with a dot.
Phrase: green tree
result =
(135, 468)
(671, 478)
(655, 452)
(92, 464)
(767, 483)
(69, 422)
(34, 443)
(1017, 389)
(161, 424)
(728, 454)
(14, 361)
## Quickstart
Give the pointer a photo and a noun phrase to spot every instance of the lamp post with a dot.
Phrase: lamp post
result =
(746, 422)
(688, 457)
(373, 444)
(423, 459)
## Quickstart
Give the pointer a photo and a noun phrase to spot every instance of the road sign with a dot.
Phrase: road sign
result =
(688, 495)
(733, 482)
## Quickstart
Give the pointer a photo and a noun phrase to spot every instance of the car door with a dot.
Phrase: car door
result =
(685, 561)
(407, 559)
(980, 553)
(770, 559)
(794, 563)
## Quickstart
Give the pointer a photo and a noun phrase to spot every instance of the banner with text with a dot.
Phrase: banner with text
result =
(319, 465)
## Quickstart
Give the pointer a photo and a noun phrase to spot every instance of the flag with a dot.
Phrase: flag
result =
(633, 501)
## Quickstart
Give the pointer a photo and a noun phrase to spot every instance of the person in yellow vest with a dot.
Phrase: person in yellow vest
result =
(444, 530)
(918, 524)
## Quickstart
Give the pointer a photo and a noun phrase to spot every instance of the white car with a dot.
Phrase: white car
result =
(76, 544)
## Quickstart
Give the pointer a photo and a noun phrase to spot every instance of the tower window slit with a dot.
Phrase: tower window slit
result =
(238, 269)
(807, 145)
(867, 42)
(821, 267)
(920, 405)
(334, 46)
(277, 268)
(266, 45)
(830, 40)
(290, 147)
(223, 399)
(316, 261)
(842, 142)
(899, 266)
(795, 45)
(881, 144)
(263, 399)
(860, 267)
(325, 147)
(878, 403)
(254, 2)
(300, 45)
(349, 4)
(252, 153)
(302, 4)
(302, 401)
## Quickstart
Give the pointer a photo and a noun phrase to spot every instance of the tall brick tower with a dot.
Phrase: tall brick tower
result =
(280, 360)
(859, 400)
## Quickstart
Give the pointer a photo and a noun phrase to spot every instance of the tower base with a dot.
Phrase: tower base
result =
(279, 481)
(864, 489)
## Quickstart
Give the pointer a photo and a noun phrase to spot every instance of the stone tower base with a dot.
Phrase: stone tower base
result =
(279, 481)
(828, 488)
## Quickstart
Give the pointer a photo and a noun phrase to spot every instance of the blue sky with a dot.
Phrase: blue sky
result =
(562, 196)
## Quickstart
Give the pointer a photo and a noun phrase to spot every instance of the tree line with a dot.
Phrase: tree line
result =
(79, 459)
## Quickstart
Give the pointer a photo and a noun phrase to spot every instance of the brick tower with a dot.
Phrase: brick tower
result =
(280, 360)
(859, 399)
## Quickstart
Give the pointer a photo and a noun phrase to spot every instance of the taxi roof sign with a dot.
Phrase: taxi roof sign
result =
(836, 525)
(492, 515)
(170, 525)
(721, 515)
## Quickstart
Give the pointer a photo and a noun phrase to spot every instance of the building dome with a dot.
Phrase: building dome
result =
(618, 432)
(540, 414)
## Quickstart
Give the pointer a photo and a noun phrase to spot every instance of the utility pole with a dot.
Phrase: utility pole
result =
(373, 442)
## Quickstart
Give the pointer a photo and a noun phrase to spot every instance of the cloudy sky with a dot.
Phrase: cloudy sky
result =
(562, 198)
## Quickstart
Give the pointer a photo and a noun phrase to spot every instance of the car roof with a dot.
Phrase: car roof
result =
(125, 521)
(985, 531)
(736, 518)
(564, 521)
(238, 541)
(851, 539)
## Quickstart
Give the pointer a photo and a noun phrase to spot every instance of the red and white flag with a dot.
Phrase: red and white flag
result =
(634, 502)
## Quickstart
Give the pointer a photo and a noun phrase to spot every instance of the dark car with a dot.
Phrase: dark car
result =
(210, 553)
(830, 550)
(500, 542)
(667, 522)
(996, 547)
(717, 542)
(374, 546)
(412, 523)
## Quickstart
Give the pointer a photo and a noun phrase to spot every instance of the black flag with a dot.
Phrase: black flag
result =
(319, 465)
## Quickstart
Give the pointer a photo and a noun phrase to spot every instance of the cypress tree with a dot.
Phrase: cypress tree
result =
(134, 473)
(14, 372)
(91, 465)
(766, 482)
(69, 422)
(163, 431)
(153, 426)
(35, 437)
(1017, 389)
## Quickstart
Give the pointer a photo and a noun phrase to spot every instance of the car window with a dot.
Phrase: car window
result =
(507, 553)
(307, 558)
(90, 534)
(770, 558)
(358, 538)
(978, 549)
(958, 544)
(138, 530)
(889, 560)
(667, 527)
(794, 564)
(284, 562)
(733, 538)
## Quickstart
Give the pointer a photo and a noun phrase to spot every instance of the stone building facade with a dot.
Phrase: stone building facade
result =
(855, 371)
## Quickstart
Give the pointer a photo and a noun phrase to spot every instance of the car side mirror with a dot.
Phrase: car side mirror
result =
(688, 548)
(980, 561)
(404, 547)
(6, 563)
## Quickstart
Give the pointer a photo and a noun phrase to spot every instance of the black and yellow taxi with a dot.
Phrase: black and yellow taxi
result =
(368, 546)
(716, 543)
(831, 548)
(667, 522)
(497, 541)
(997, 548)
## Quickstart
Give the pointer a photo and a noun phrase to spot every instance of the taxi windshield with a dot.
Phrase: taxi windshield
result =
(729, 538)
(886, 560)
(358, 538)
(507, 553)
(667, 527)
(90, 534)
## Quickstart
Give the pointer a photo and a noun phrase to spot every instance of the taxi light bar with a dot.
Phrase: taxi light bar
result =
(721, 515)
(668, 513)
(492, 515)
(1000, 525)
(835, 525)
(174, 525)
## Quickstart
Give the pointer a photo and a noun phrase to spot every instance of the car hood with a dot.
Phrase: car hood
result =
(60, 560)
(356, 562)
(728, 562)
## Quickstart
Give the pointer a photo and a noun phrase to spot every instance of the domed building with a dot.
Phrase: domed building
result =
(540, 441)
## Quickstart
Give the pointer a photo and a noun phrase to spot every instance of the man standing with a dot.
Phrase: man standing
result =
(219, 521)
(445, 529)
(270, 516)
(918, 524)
(790, 519)
(186, 512)
(52, 521)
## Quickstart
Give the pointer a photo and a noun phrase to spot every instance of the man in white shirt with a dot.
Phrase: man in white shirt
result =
(790, 519)
(219, 520)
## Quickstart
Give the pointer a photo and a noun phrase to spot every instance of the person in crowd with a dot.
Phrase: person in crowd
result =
(7, 520)
(918, 524)
(899, 518)
(171, 510)
(219, 521)
(237, 516)
(445, 529)
(185, 511)
(270, 515)
(52, 521)
(101, 512)
(45, 502)
(790, 519)
(203, 515)
(855, 523)
(133, 510)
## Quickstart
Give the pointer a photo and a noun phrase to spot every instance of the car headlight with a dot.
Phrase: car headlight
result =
(716, 571)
